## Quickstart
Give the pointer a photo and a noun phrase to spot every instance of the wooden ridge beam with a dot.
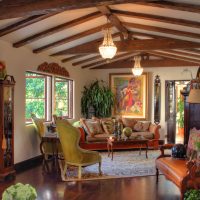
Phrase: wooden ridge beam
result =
(86, 60)
(91, 43)
(162, 30)
(105, 10)
(56, 29)
(117, 57)
(146, 64)
(19, 8)
(71, 58)
(70, 39)
(23, 23)
(158, 18)
(187, 54)
(173, 6)
(132, 45)
(167, 54)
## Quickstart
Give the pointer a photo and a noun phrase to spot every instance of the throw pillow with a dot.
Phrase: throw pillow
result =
(129, 122)
(108, 125)
(92, 127)
(192, 148)
(138, 126)
(145, 126)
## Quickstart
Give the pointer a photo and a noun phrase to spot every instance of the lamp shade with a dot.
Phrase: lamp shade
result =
(137, 69)
(194, 96)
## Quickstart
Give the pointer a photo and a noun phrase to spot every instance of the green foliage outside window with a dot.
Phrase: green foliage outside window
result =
(61, 97)
(35, 95)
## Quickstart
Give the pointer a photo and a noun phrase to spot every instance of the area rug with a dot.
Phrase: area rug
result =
(124, 164)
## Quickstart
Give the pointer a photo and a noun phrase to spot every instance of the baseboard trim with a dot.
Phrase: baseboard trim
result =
(28, 164)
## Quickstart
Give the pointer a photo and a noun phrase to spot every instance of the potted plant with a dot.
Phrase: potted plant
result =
(97, 100)
(19, 191)
(180, 116)
(192, 195)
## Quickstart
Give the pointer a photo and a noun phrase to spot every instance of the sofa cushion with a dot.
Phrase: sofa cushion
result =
(146, 135)
(108, 125)
(145, 126)
(138, 126)
(174, 168)
(128, 122)
(91, 126)
(98, 138)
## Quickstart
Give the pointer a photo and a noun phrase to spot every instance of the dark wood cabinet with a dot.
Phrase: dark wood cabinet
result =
(191, 115)
(7, 127)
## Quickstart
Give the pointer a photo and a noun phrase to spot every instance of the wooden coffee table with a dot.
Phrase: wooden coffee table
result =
(113, 143)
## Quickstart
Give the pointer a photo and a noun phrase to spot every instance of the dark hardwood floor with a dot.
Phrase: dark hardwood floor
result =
(50, 187)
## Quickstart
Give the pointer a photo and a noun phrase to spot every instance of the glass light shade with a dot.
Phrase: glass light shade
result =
(107, 49)
(137, 70)
(194, 96)
(107, 52)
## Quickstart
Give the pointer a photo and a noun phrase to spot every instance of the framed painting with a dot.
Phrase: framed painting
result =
(131, 95)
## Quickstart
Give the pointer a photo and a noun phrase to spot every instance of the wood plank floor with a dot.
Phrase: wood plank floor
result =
(50, 187)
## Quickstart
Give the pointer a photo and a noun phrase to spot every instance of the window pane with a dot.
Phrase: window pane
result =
(36, 106)
(35, 95)
(61, 97)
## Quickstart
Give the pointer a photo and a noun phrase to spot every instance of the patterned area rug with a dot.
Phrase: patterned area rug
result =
(124, 164)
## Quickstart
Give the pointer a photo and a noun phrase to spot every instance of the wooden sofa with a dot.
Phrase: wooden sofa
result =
(99, 142)
(183, 173)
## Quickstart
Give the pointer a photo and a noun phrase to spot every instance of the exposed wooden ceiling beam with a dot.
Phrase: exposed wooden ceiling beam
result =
(72, 58)
(105, 10)
(98, 40)
(174, 6)
(19, 8)
(23, 23)
(118, 57)
(58, 28)
(162, 30)
(187, 54)
(157, 18)
(70, 38)
(86, 60)
(146, 63)
(167, 54)
(132, 45)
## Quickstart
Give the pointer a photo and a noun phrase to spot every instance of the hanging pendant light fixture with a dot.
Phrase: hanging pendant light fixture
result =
(107, 49)
(137, 69)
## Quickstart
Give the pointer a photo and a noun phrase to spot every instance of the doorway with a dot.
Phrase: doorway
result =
(174, 110)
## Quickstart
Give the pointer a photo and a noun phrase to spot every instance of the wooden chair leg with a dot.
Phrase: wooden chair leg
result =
(79, 172)
(63, 170)
(157, 174)
(100, 172)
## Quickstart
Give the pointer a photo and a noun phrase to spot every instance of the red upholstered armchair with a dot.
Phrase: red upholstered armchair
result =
(184, 173)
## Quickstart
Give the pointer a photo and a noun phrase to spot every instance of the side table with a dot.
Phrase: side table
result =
(53, 140)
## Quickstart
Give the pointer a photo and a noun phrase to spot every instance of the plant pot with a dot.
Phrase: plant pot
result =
(181, 131)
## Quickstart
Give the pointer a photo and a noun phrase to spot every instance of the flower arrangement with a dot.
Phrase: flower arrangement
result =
(20, 191)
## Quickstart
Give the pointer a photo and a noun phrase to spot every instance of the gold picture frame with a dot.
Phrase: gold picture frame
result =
(130, 95)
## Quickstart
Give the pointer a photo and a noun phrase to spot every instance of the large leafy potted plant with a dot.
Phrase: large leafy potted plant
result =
(180, 116)
(98, 98)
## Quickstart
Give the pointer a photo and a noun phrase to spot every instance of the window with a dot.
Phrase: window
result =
(63, 97)
(48, 94)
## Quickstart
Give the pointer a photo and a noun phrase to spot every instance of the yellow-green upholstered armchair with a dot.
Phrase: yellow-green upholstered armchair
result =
(47, 148)
(73, 154)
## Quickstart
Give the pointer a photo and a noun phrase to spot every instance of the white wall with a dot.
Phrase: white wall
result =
(19, 60)
(165, 73)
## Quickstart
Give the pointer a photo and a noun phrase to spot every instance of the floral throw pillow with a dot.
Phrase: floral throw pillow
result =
(138, 126)
(91, 126)
(192, 143)
(145, 126)
(108, 126)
